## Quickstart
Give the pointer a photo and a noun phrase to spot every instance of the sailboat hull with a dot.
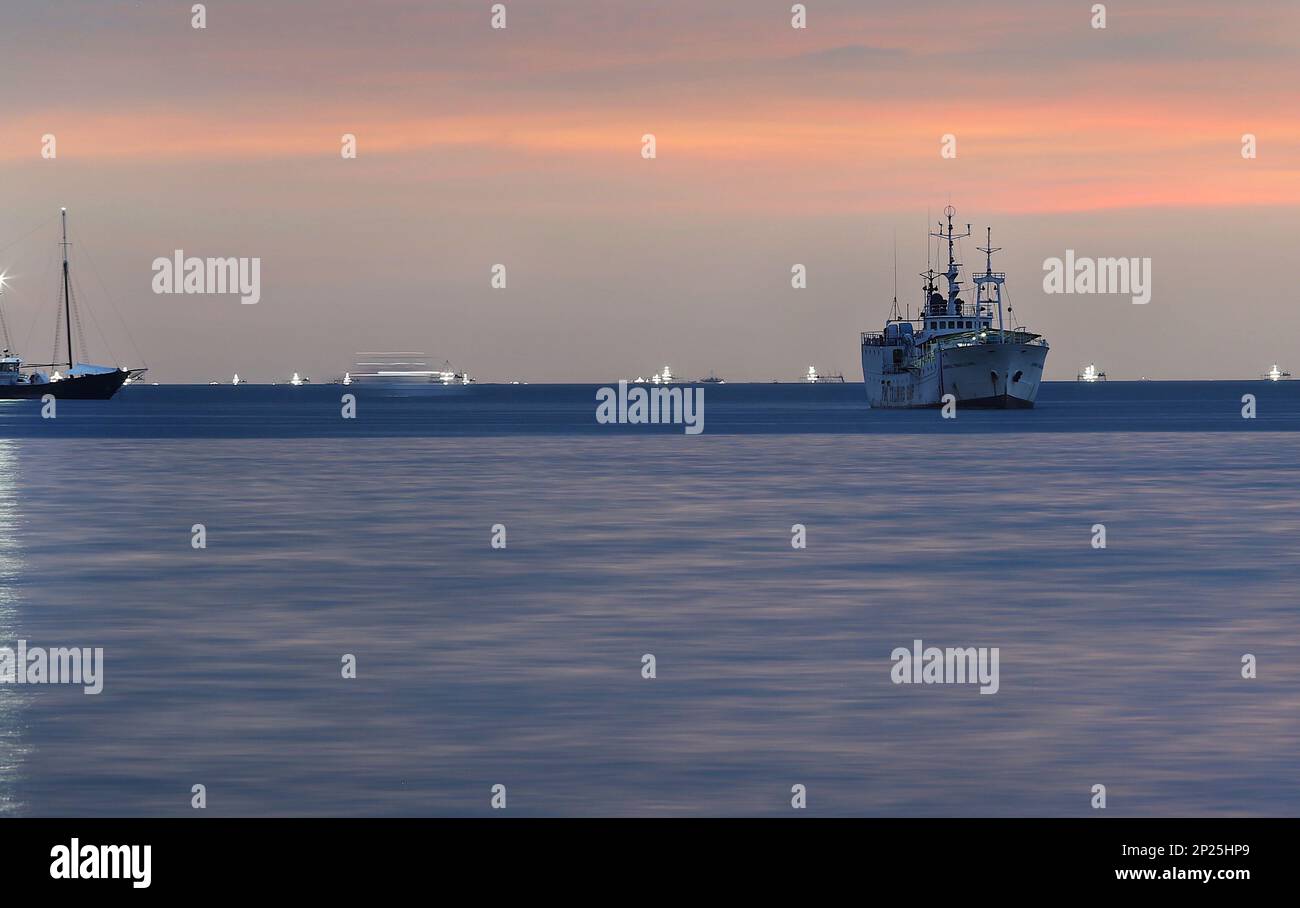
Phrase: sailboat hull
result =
(100, 386)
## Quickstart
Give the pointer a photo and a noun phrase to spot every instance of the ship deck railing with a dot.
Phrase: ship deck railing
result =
(878, 339)
(972, 338)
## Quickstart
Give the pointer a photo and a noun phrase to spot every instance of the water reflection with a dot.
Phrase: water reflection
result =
(13, 700)
(523, 666)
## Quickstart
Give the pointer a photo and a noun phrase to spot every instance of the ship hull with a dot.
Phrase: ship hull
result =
(402, 386)
(100, 386)
(998, 402)
(1001, 376)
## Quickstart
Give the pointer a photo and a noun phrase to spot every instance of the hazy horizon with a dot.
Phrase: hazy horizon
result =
(522, 146)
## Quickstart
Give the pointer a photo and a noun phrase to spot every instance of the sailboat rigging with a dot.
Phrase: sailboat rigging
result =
(82, 381)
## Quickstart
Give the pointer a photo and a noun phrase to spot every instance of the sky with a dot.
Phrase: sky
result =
(522, 146)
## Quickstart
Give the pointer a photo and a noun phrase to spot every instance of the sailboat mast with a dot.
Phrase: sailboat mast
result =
(67, 301)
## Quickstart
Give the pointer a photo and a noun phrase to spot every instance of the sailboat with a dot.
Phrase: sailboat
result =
(82, 381)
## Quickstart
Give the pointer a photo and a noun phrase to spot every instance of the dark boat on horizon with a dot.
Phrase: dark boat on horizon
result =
(83, 381)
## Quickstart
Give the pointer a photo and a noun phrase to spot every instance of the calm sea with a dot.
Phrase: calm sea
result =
(522, 666)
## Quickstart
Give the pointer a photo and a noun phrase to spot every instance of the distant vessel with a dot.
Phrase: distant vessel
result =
(712, 380)
(238, 381)
(1276, 374)
(952, 347)
(663, 377)
(299, 380)
(82, 380)
(817, 378)
(1090, 374)
(400, 368)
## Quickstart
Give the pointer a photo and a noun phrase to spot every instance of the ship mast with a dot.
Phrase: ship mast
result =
(954, 285)
(67, 303)
(996, 278)
(927, 288)
(894, 314)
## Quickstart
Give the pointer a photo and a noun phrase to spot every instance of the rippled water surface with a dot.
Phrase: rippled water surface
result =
(522, 666)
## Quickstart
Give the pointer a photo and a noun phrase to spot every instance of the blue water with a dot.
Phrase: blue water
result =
(522, 666)
(315, 411)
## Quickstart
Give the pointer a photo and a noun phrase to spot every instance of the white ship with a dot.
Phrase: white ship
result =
(953, 347)
(1276, 374)
(1090, 374)
(665, 377)
(402, 369)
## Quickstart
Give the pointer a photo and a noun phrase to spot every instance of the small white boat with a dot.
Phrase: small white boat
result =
(817, 378)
